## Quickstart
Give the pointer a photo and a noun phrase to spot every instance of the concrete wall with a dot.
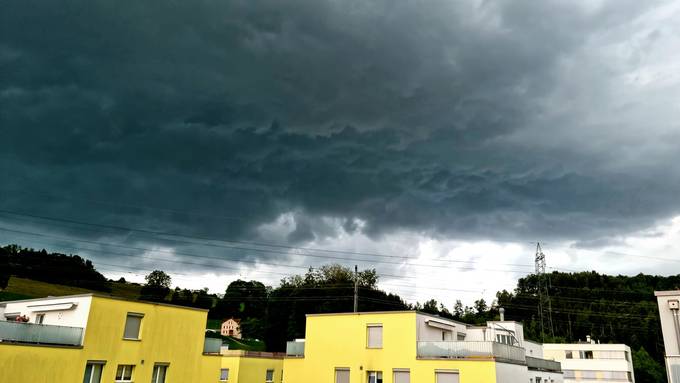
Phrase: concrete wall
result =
(670, 335)
(557, 352)
(511, 373)
(533, 349)
(427, 333)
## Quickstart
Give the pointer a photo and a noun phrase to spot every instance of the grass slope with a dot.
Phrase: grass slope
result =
(22, 288)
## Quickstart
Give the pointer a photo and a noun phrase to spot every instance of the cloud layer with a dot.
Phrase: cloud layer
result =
(485, 120)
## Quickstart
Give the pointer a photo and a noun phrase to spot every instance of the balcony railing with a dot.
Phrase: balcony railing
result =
(212, 345)
(543, 364)
(295, 349)
(673, 368)
(463, 349)
(19, 332)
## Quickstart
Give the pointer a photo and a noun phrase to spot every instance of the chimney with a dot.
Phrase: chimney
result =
(589, 339)
(502, 311)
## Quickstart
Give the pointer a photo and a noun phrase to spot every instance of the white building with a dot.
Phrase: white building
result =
(590, 361)
(669, 306)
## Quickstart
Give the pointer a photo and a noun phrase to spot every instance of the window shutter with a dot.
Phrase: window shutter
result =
(447, 377)
(402, 377)
(341, 376)
(132, 325)
(375, 337)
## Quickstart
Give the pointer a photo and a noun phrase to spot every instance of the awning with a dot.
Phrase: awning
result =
(53, 307)
(441, 325)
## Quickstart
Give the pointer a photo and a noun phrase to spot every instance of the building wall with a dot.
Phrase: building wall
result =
(510, 373)
(339, 341)
(74, 317)
(557, 352)
(670, 338)
(168, 335)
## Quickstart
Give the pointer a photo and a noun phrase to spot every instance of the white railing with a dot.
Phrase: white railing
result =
(462, 349)
(19, 332)
(295, 348)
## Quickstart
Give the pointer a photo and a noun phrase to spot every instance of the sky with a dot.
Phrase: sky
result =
(435, 141)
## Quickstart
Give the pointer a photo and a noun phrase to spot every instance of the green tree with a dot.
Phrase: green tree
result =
(647, 370)
(158, 278)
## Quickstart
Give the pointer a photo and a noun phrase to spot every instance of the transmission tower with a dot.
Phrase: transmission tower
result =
(543, 293)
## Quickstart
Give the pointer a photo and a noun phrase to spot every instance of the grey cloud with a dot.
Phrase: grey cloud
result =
(212, 118)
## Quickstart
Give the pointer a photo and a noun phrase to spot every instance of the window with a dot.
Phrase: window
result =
(269, 376)
(588, 355)
(224, 375)
(124, 373)
(460, 336)
(159, 372)
(342, 375)
(570, 355)
(133, 323)
(569, 374)
(93, 372)
(538, 379)
(374, 335)
(402, 376)
(447, 377)
(40, 318)
(375, 377)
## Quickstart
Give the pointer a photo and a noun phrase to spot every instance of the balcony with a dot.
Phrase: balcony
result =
(17, 332)
(296, 349)
(543, 364)
(212, 345)
(461, 349)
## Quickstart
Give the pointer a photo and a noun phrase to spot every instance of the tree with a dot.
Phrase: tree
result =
(158, 278)
(647, 370)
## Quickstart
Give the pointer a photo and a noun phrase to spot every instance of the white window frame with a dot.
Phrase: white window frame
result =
(375, 375)
(39, 318)
(266, 378)
(341, 369)
(94, 363)
(122, 379)
(396, 371)
(221, 371)
(157, 367)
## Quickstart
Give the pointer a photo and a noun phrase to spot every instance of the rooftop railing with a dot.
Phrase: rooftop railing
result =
(295, 349)
(18, 332)
(463, 349)
(543, 364)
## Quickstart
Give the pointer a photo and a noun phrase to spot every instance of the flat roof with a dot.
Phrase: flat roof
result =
(667, 293)
(391, 312)
(97, 295)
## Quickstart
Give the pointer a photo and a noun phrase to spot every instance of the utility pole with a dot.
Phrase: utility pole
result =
(356, 288)
(543, 292)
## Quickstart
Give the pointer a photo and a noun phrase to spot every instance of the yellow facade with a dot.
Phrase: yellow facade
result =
(169, 335)
(249, 367)
(339, 341)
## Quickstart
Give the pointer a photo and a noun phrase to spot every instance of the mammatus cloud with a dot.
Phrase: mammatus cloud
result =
(493, 121)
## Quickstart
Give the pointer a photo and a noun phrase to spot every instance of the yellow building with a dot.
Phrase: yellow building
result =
(90, 338)
(240, 366)
(407, 346)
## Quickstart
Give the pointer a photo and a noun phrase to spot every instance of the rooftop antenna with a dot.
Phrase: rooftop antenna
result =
(543, 292)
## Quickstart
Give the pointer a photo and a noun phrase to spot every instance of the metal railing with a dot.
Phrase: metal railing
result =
(464, 349)
(212, 345)
(295, 348)
(19, 332)
(543, 364)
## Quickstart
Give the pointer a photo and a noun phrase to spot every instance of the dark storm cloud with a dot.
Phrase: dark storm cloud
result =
(214, 117)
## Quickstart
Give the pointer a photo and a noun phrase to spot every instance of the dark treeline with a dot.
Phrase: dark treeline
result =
(612, 309)
(40, 265)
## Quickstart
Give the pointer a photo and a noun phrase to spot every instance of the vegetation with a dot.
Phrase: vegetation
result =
(612, 309)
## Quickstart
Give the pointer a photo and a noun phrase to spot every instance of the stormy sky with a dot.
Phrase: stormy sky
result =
(435, 141)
